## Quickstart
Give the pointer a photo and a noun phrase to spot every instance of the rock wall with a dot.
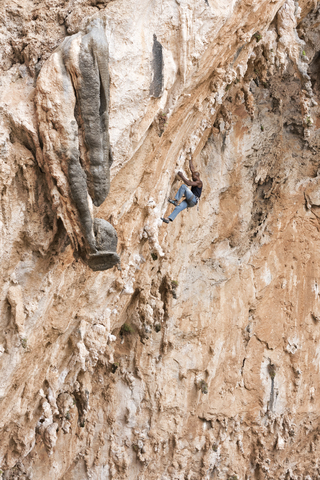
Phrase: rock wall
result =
(198, 358)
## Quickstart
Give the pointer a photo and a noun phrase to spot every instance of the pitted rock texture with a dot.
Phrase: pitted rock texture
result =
(199, 358)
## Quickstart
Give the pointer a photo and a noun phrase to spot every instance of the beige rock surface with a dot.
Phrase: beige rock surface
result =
(200, 358)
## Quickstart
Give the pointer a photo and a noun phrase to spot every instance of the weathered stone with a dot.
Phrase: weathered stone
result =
(73, 87)
(156, 86)
(199, 357)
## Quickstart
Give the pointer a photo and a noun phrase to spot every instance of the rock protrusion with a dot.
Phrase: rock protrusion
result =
(15, 300)
(73, 88)
(156, 86)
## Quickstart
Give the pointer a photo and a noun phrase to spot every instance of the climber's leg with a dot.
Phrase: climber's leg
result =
(178, 209)
(183, 190)
(190, 197)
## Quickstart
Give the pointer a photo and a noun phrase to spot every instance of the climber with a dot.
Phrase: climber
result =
(192, 196)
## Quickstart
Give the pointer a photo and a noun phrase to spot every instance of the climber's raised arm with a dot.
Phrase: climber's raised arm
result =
(191, 166)
(196, 177)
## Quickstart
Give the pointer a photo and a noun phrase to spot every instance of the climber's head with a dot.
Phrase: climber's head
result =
(195, 176)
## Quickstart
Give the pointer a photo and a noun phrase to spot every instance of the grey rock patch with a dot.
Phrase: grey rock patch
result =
(156, 86)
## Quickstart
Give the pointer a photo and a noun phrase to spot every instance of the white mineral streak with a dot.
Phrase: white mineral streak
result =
(289, 44)
(199, 357)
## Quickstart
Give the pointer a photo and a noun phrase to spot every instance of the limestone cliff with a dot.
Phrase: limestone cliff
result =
(198, 356)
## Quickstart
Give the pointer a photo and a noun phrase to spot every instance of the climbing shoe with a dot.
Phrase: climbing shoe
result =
(174, 202)
(164, 220)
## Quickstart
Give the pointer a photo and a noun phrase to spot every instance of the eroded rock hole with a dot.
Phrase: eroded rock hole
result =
(261, 206)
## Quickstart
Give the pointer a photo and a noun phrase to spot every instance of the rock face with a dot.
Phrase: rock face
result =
(199, 357)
